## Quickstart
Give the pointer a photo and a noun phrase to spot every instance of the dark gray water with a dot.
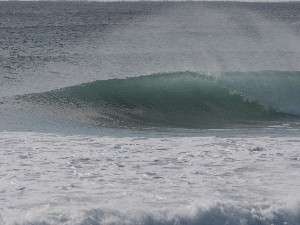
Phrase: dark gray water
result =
(49, 45)
(149, 113)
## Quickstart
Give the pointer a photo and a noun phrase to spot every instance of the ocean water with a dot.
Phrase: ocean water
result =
(149, 113)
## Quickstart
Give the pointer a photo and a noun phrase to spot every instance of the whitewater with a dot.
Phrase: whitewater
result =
(149, 113)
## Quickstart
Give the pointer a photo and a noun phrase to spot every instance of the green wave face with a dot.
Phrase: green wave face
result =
(181, 99)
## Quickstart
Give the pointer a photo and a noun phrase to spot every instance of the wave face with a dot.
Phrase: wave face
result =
(74, 74)
(185, 99)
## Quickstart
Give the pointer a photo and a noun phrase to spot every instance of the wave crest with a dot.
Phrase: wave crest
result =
(181, 99)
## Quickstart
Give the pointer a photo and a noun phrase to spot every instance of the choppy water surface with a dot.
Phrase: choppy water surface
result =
(56, 179)
(149, 113)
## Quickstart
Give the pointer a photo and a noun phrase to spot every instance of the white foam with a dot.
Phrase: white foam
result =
(64, 177)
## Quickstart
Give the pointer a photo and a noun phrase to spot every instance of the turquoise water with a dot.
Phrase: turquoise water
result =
(149, 113)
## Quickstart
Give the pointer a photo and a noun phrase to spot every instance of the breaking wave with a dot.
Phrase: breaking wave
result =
(184, 99)
(217, 215)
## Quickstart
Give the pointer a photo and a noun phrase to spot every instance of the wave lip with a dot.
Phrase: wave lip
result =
(180, 99)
